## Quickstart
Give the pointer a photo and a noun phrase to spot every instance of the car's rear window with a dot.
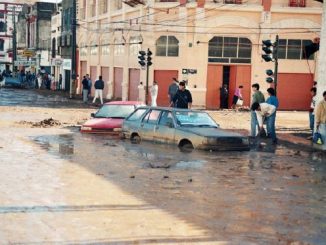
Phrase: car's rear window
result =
(115, 111)
(137, 115)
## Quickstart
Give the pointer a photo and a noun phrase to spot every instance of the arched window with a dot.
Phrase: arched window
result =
(135, 45)
(53, 47)
(2, 45)
(229, 50)
(167, 46)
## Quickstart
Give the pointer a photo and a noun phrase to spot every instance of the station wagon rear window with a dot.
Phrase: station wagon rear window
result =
(194, 119)
(137, 115)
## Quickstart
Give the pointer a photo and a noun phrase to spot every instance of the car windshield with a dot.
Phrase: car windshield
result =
(194, 119)
(115, 111)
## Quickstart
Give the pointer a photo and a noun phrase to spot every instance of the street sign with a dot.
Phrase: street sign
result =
(25, 63)
(28, 53)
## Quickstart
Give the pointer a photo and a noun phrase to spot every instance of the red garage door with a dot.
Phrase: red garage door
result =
(134, 77)
(118, 76)
(93, 78)
(214, 82)
(105, 77)
(164, 79)
(293, 91)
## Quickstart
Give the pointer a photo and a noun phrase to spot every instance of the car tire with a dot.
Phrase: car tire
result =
(186, 146)
(135, 139)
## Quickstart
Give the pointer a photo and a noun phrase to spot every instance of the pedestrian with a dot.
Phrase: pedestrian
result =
(141, 92)
(173, 88)
(85, 89)
(154, 93)
(313, 92)
(99, 86)
(89, 85)
(264, 110)
(236, 97)
(224, 96)
(272, 100)
(320, 117)
(53, 86)
(315, 84)
(60, 81)
(39, 81)
(258, 97)
(183, 98)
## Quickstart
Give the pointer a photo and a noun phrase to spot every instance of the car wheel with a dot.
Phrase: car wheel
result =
(135, 139)
(186, 146)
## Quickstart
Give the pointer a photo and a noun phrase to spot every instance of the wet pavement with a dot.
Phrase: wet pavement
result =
(59, 186)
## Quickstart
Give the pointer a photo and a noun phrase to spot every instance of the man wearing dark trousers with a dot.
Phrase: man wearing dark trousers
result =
(183, 98)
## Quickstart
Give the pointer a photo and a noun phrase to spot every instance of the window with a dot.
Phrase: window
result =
(119, 47)
(2, 45)
(293, 49)
(167, 46)
(135, 45)
(229, 50)
(136, 115)
(105, 49)
(152, 117)
(117, 4)
(297, 3)
(103, 6)
(2, 15)
(166, 119)
(53, 47)
(3, 26)
(232, 1)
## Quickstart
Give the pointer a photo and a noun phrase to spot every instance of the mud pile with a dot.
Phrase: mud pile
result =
(46, 123)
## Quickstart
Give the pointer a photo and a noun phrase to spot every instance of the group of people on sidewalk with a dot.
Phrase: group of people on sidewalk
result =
(87, 88)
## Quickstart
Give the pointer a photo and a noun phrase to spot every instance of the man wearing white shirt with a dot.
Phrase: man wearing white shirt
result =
(154, 92)
(264, 110)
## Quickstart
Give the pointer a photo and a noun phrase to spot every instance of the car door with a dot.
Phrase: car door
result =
(165, 129)
(149, 123)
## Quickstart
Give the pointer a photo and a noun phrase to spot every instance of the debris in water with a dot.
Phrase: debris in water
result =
(132, 176)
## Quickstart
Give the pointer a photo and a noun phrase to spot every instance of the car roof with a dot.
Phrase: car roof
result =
(169, 108)
(125, 103)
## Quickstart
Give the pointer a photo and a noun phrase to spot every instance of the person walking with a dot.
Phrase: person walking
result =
(173, 88)
(85, 89)
(89, 85)
(224, 96)
(257, 97)
(99, 86)
(313, 92)
(154, 93)
(320, 117)
(141, 92)
(264, 110)
(237, 96)
(183, 98)
(60, 81)
(272, 100)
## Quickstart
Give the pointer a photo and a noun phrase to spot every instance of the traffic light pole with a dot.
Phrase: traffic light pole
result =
(14, 40)
(276, 64)
(147, 77)
(73, 51)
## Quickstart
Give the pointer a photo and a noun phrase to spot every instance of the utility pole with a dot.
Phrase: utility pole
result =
(14, 40)
(73, 50)
(275, 56)
(321, 82)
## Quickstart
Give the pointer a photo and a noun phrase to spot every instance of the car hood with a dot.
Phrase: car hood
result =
(104, 123)
(211, 132)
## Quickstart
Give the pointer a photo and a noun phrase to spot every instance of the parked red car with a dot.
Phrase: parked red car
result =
(109, 118)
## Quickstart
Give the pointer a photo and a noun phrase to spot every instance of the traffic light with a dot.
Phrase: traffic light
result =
(141, 58)
(149, 58)
(270, 75)
(267, 48)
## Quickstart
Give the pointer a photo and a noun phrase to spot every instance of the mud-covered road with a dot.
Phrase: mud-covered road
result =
(58, 186)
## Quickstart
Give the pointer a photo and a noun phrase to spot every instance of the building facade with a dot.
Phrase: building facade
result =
(208, 43)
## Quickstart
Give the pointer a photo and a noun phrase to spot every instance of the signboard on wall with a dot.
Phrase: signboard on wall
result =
(66, 64)
(25, 63)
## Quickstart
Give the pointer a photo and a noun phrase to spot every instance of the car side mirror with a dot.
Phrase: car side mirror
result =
(93, 114)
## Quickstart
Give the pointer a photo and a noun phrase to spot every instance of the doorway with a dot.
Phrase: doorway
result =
(225, 88)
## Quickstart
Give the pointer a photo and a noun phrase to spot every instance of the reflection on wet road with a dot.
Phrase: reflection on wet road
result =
(255, 196)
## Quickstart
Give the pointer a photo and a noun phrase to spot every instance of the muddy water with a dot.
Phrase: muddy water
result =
(274, 195)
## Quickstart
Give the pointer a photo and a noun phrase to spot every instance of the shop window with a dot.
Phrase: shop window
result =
(229, 50)
(167, 46)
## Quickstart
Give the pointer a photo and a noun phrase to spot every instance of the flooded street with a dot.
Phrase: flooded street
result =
(59, 186)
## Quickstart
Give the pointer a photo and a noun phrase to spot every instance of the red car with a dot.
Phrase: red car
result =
(109, 118)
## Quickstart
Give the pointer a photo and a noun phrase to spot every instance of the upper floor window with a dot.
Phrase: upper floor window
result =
(119, 47)
(94, 48)
(3, 26)
(83, 49)
(229, 50)
(103, 6)
(2, 15)
(167, 46)
(135, 45)
(297, 3)
(66, 19)
(54, 47)
(2, 45)
(105, 49)
(293, 49)
(117, 4)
